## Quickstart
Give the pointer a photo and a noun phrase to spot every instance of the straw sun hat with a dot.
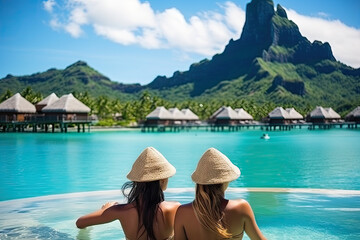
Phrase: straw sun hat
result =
(151, 165)
(214, 168)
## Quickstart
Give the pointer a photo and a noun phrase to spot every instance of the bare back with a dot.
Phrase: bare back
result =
(238, 217)
(163, 225)
(129, 220)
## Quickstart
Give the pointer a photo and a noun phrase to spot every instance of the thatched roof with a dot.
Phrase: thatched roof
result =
(213, 116)
(243, 115)
(17, 104)
(227, 113)
(279, 113)
(332, 113)
(67, 104)
(48, 100)
(354, 113)
(177, 114)
(294, 114)
(327, 113)
(189, 115)
(319, 112)
(160, 113)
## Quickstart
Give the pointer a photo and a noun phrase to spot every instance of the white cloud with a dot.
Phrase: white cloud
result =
(235, 17)
(323, 14)
(49, 5)
(344, 40)
(74, 29)
(55, 24)
(121, 36)
(129, 14)
(134, 22)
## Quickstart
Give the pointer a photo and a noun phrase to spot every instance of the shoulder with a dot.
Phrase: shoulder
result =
(183, 213)
(240, 206)
(171, 203)
(183, 209)
(169, 208)
(240, 202)
(167, 205)
(122, 209)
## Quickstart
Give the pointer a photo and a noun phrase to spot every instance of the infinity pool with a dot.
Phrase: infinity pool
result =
(293, 214)
(48, 180)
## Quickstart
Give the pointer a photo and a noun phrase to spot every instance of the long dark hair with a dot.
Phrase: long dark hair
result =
(147, 196)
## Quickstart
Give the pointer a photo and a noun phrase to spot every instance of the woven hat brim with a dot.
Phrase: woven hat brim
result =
(153, 176)
(214, 168)
(226, 177)
(151, 165)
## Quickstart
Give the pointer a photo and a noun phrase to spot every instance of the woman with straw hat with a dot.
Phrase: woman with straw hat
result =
(210, 215)
(145, 215)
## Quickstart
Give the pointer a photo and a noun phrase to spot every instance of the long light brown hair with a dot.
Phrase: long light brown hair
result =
(207, 205)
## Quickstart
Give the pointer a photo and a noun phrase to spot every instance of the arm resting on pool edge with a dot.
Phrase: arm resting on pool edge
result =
(106, 214)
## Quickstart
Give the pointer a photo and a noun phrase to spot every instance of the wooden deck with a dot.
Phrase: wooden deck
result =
(45, 124)
(239, 127)
(62, 125)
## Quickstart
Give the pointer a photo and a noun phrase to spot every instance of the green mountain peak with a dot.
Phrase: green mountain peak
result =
(270, 62)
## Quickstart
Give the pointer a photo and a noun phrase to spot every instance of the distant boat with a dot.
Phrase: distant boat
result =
(265, 136)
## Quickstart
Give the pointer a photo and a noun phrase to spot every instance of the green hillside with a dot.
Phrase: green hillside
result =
(270, 64)
(78, 77)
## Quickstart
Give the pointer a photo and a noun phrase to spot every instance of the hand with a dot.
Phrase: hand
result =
(108, 204)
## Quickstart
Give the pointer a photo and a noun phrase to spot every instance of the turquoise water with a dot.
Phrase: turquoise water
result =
(40, 165)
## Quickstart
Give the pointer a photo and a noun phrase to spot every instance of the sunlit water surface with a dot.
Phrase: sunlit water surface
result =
(279, 215)
(33, 165)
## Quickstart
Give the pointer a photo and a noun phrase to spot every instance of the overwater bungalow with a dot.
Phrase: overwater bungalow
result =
(177, 115)
(160, 116)
(46, 101)
(244, 117)
(323, 115)
(227, 117)
(67, 108)
(212, 118)
(279, 116)
(16, 109)
(295, 116)
(354, 115)
(189, 116)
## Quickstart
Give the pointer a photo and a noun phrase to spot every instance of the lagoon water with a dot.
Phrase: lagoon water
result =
(41, 165)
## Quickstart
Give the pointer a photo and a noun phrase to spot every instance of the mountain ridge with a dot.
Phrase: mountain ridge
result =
(270, 62)
(268, 34)
(77, 77)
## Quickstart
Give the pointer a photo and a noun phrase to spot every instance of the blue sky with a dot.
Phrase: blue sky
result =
(133, 41)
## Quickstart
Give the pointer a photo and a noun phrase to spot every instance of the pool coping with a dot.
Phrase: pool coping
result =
(337, 192)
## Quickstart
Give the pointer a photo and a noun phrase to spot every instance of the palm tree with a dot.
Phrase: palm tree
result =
(6, 95)
(31, 96)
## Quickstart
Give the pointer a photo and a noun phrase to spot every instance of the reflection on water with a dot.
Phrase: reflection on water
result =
(280, 215)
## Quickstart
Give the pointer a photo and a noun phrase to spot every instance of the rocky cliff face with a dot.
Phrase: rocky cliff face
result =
(273, 30)
(267, 34)
(257, 28)
(295, 87)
